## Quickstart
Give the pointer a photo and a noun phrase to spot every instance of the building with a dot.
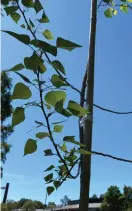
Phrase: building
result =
(94, 205)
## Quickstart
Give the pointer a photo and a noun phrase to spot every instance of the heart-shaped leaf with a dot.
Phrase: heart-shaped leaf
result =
(18, 116)
(76, 109)
(50, 190)
(16, 17)
(55, 96)
(57, 81)
(30, 147)
(21, 91)
(48, 177)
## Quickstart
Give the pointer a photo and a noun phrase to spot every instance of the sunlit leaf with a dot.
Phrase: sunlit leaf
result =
(66, 44)
(10, 10)
(21, 37)
(18, 116)
(42, 68)
(50, 168)
(57, 81)
(48, 35)
(72, 140)
(50, 189)
(124, 8)
(84, 152)
(64, 147)
(55, 96)
(15, 16)
(17, 67)
(58, 128)
(21, 91)
(76, 109)
(47, 106)
(24, 78)
(109, 12)
(129, 1)
(59, 108)
(30, 146)
(42, 135)
(57, 65)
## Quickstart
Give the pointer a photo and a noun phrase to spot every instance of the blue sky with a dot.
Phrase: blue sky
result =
(113, 84)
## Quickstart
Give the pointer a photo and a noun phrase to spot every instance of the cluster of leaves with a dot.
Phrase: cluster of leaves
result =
(115, 200)
(124, 7)
(52, 97)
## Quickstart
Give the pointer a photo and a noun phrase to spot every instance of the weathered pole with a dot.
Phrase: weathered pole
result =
(88, 122)
(6, 193)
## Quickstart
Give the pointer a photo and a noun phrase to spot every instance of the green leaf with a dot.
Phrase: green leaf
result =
(50, 168)
(57, 81)
(48, 35)
(21, 37)
(42, 135)
(48, 177)
(18, 116)
(84, 152)
(5, 2)
(109, 12)
(24, 78)
(58, 128)
(129, 1)
(10, 10)
(50, 190)
(46, 47)
(124, 8)
(42, 68)
(21, 91)
(30, 147)
(47, 106)
(56, 184)
(33, 62)
(66, 44)
(16, 17)
(57, 65)
(44, 18)
(17, 67)
(48, 152)
(59, 108)
(64, 147)
(72, 140)
(23, 26)
(114, 12)
(76, 109)
(31, 23)
(27, 3)
(37, 6)
(55, 96)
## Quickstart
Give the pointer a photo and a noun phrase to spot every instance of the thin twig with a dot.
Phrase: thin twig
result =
(111, 111)
(111, 156)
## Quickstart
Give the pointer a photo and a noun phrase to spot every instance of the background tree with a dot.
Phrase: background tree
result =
(38, 205)
(28, 206)
(94, 196)
(51, 205)
(21, 202)
(6, 111)
(65, 200)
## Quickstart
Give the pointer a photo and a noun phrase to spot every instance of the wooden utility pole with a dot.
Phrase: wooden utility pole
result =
(88, 123)
(6, 193)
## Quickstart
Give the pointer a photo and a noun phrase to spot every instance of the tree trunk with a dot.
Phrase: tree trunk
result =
(87, 129)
